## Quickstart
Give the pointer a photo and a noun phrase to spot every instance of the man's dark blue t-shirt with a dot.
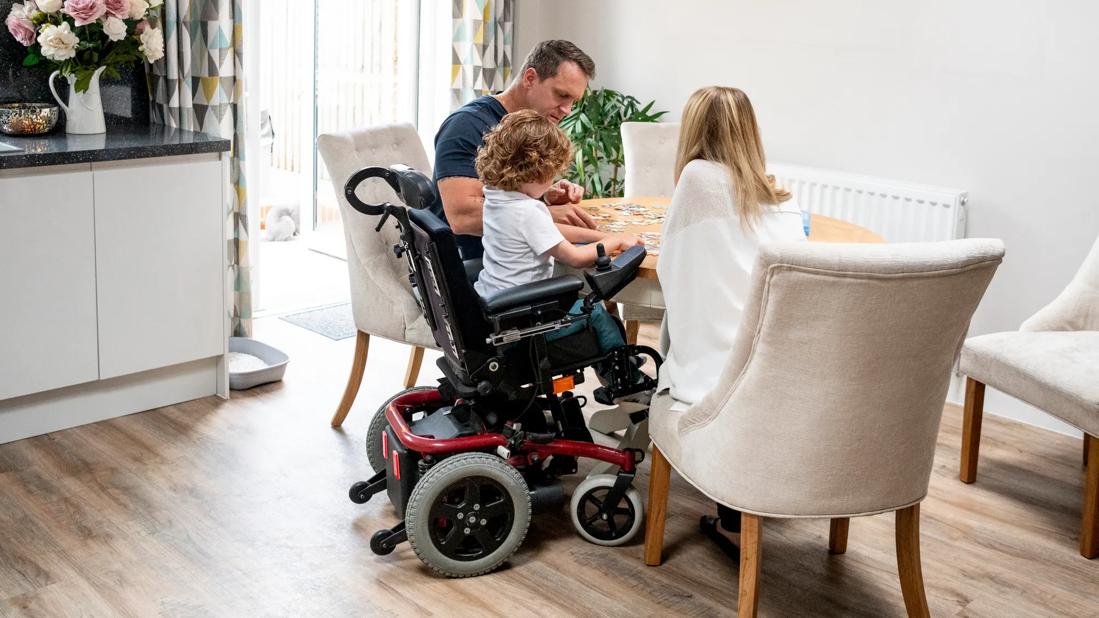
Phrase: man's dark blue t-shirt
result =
(456, 144)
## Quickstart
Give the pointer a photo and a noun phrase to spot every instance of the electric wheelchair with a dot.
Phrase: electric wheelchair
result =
(466, 463)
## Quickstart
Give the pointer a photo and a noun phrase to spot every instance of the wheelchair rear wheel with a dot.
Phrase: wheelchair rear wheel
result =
(468, 514)
(603, 524)
(378, 423)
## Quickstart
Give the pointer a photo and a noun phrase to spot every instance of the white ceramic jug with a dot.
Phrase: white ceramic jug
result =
(84, 113)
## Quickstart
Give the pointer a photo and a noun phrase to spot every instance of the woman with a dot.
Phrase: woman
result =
(724, 207)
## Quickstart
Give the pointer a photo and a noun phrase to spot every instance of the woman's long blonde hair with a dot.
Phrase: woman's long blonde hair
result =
(719, 125)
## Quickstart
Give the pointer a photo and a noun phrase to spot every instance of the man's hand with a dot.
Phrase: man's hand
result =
(571, 214)
(564, 192)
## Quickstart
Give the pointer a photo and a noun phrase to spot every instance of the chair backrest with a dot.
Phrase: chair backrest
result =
(648, 151)
(1077, 306)
(830, 401)
(453, 306)
(381, 295)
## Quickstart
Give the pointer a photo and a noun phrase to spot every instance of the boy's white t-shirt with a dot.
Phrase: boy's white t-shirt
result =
(518, 232)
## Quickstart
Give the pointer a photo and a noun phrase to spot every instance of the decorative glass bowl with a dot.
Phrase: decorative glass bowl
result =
(27, 118)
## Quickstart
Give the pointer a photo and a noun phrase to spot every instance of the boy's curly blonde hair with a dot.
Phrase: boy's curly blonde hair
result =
(524, 147)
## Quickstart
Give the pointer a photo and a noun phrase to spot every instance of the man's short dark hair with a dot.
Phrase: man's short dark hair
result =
(547, 56)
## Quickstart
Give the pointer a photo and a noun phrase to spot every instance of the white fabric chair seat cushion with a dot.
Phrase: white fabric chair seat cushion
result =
(642, 313)
(1055, 371)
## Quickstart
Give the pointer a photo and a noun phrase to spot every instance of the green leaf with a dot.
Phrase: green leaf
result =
(31, 59)
(83, 79)
(595, 126)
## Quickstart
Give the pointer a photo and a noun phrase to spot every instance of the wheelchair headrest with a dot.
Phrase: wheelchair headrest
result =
(413, 188)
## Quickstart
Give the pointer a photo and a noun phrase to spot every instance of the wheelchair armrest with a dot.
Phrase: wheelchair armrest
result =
(621, 271)
(473, 269)
(537, 292)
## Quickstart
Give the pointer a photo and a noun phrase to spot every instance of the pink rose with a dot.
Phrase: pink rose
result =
(84, 12)
(20, 27)
(141, 26)
(118, 8)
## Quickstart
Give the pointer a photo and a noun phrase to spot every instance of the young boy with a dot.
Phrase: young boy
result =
(517, 163)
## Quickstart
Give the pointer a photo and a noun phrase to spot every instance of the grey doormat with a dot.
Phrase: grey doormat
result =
(335, 322)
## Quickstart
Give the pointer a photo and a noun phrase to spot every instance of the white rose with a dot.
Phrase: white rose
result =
(138, 8)
(114, 28)
(155, 3)
(58, 42)
(30, 9)
(152, 44)
(49, 6)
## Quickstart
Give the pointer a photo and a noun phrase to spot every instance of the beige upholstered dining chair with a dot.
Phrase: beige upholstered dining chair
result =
(648, 154)
(830, 400)
(381, 296)
(1051, 362)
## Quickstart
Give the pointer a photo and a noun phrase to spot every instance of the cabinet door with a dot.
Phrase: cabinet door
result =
(159, 247)
(47, 280)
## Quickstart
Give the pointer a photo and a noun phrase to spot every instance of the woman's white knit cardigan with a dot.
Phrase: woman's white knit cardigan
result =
(706, 259)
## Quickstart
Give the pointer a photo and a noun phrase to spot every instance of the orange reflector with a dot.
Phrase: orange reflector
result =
(396, 466)
(563, 384)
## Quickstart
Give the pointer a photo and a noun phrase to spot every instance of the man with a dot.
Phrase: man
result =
(554, 76)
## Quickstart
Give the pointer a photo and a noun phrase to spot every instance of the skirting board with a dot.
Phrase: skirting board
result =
(32, 415)
(1006, 406)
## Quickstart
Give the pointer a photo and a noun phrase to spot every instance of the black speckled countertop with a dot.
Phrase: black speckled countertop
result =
(118, 143)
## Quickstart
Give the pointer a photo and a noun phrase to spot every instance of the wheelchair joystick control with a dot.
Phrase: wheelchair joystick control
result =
(602, 262)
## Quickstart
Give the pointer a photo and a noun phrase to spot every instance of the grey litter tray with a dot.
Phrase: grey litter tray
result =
(276, 363)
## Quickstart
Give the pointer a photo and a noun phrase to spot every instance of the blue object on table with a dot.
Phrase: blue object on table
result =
(805, 222)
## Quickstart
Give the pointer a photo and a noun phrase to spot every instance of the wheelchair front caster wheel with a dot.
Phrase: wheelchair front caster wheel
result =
(378, 543)
(601, 523)
(358, 492)
(468, 514)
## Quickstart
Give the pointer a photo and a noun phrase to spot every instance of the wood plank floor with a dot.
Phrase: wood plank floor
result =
(239, 507)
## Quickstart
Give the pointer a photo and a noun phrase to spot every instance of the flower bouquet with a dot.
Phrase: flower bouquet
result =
(82, 39)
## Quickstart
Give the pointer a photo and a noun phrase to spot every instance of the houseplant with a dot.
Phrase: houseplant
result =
(83, 39)
(594, 126)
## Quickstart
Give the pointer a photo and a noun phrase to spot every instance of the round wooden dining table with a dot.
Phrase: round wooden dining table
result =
(644, 216)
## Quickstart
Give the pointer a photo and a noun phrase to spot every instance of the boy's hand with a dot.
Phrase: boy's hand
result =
(615, 243)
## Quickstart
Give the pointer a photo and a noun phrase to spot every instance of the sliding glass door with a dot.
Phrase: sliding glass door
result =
(326, 66)
(318, 66)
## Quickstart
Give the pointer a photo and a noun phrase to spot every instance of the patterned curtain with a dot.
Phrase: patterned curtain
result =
(482, 51)
(199, 86)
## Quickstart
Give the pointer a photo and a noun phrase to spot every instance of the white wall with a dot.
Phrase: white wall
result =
(998, 97)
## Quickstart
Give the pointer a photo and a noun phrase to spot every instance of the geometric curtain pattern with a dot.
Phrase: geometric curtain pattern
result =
(198, 86)
(481, 50)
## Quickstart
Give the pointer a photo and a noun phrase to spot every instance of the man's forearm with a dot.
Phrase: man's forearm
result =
(573, 233)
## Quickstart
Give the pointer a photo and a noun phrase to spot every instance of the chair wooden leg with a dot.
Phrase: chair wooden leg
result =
(971, 429)
(908, 561)
(1089, 533)
(358, 365)
(837, 535)
(415, 359)
(751, 552)
(659, 478)
(632, 328)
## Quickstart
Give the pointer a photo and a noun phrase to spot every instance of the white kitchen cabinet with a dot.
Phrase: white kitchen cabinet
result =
(112, 289)
(159, 272)
(47, 280)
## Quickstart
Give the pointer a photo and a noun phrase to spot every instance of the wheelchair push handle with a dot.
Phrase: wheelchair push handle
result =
(412, 187)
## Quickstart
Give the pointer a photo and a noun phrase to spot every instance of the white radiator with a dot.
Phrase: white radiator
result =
(897, 211)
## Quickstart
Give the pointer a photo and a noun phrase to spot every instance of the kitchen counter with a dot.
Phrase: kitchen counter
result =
(118, 143)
